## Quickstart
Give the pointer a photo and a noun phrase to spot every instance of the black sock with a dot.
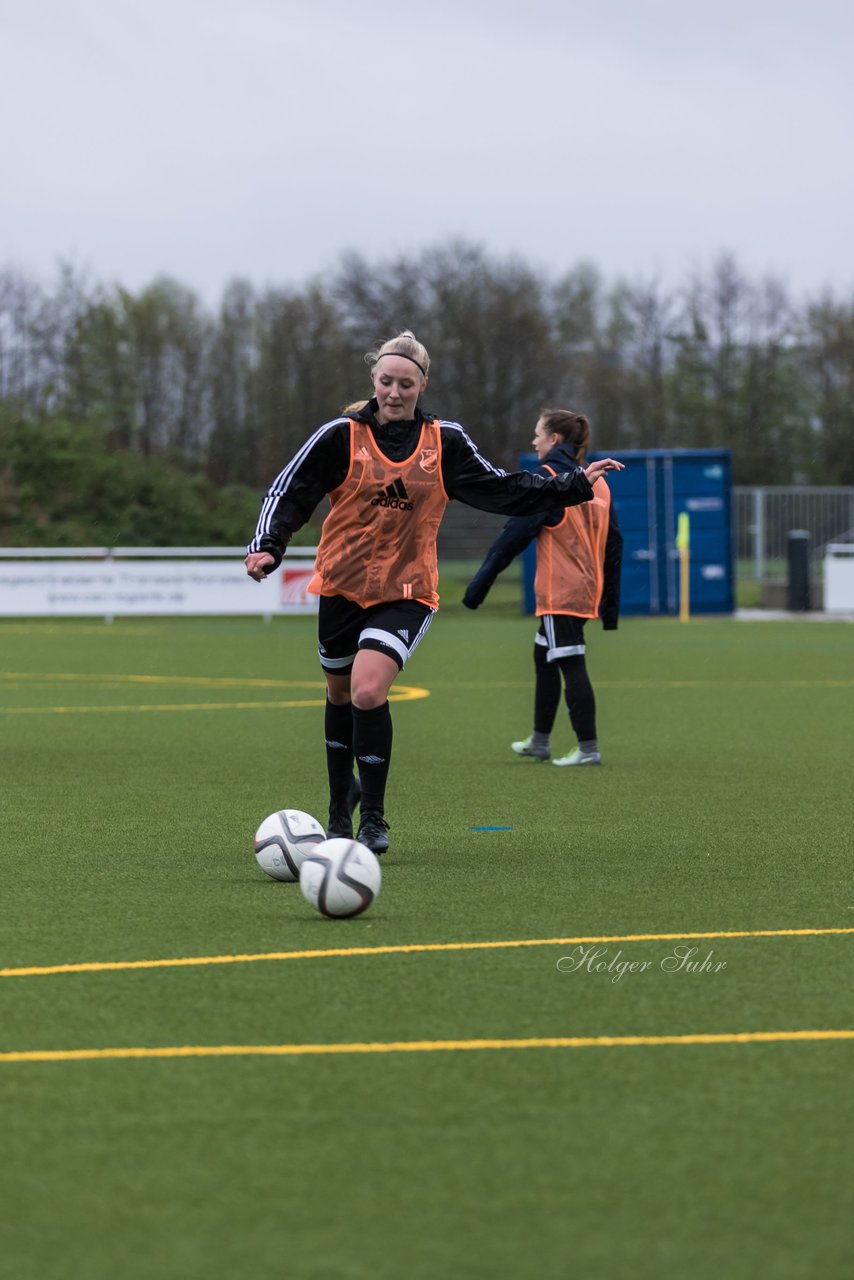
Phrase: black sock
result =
(580, 701)
(546, 691)
(339, 749)
(372, 736)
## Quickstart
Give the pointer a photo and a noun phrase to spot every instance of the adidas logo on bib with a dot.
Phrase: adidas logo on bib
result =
(394, 495)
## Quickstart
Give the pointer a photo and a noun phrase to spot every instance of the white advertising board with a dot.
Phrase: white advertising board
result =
(126, 587)
(839, 578)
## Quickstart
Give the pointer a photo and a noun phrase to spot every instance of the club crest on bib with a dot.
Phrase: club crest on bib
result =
(429, 460)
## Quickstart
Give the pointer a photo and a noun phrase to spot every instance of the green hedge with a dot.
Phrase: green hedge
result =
(60, 486)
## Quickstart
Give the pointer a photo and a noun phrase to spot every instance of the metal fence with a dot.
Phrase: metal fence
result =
(764, 517)
(762, 520)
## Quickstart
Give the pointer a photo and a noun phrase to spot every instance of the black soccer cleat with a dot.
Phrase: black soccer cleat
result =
(373, 831)
(341, 813)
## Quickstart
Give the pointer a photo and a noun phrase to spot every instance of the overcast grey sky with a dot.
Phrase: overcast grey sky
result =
(214, 139)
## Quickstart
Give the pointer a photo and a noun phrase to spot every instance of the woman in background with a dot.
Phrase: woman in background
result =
(579, 552)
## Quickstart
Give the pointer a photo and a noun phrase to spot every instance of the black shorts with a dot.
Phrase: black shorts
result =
(562, 635)
(344, 627)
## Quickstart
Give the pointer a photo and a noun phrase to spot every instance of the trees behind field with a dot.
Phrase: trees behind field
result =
(721, 360)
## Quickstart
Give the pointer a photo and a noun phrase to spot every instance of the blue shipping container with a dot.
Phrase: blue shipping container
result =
(649, 496)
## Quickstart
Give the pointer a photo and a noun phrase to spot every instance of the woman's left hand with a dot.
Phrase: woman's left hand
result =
(597, 470)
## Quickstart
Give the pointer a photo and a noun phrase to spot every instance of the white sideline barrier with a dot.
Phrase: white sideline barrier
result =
(839, 577)
(149, 581)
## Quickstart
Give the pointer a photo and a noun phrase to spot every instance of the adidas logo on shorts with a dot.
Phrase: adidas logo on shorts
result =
(394, 495)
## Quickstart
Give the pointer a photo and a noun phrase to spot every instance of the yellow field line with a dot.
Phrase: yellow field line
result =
(400, 693)
(8, 628)
(254, 682)
(168, 706)
(408, 949)
(419, 1046)
(74, 677)
(726, 684)
(659, 684)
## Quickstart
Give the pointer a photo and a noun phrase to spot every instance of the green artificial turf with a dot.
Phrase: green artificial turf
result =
(133, 783)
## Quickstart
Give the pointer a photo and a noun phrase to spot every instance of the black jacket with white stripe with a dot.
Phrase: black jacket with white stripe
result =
(322, 463)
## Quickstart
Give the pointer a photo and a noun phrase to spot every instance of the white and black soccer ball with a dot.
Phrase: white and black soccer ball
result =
(340, 878)
(283, 840)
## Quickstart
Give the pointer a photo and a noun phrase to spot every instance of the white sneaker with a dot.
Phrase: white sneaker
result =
(526, 749)
(580, 757)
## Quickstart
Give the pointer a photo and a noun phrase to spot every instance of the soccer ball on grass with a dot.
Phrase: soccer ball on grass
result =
(340, 878)
(283, 840)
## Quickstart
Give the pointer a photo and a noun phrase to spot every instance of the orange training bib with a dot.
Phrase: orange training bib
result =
(379, 540)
